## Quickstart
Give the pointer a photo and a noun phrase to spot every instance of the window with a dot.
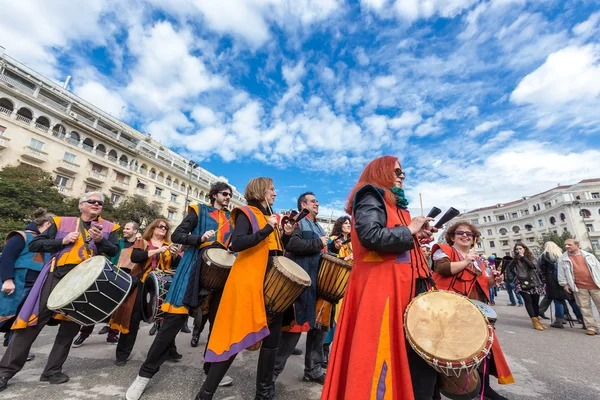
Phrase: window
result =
(540, 222)
(115, 198)
(563, 218)
(173, 197)
(518, 241)
(475, 221)
(36, 144)
(516, 229)
(2, 129)
(504, 242)
(69, 157)
(515, 215)
(595, 245)
(501, 217)
(589, 227)
(530, 240)
(490, 232)
(503, 231)
(158, 191)
(89, 188)
(528, 227)
(526, 211)
(507, 254)
(585, 213)
(170, 214)
(478, 245)
(552, 221)
(121, 178)
(97, 167)
(595, 195)
(187, 203)
(492, 243)
(140, 185)
(61, 181)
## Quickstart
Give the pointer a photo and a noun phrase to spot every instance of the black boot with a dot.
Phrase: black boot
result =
(264, 374)
(196, 335)
(186, 328)
(325, 355)
(558, 323)
(204, 395)
(488, 392)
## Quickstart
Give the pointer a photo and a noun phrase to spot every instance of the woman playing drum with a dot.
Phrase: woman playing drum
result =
(154, 251)
(457, 268)
(371, 358)
(241, 320)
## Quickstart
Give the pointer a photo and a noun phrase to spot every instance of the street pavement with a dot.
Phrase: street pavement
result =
(556, 364)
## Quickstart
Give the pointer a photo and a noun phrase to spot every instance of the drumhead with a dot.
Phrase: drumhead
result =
(220, 257)
(291, 270)
(487, 310)
(335, 260)
(150, 293)
(446, 326)
(76, 282)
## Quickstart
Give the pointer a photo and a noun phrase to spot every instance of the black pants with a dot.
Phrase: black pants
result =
(163, 345)
(218, 370)
(545, 304)
(532, 304)
(127, 340)
(87, 330)
(16, 354)
(313, 357)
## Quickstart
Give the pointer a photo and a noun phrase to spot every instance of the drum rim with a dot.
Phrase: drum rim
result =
(288, 274)
(64, 279)
(435, 361)
(151, 275)
(205, 257)
(489, 317)
(336, 260)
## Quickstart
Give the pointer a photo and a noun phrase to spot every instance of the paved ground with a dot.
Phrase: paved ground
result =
(552, 365)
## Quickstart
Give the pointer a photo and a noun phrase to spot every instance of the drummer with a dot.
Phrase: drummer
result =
(339, 243)
(204, 226)
(154, 251)
(370, 354)
(241, 320)
(457, 268)
(70, 240)
(305, 247)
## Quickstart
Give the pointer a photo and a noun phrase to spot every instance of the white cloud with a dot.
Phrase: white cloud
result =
(570, 74)
(497, 140)
(588, 27)
(293, 74)
(361, 56)
(483, 127)
(385, 82)
(204, 115)
(412, 10)
(97, 94)
(376, 5)
(406, 120)
(429, 127)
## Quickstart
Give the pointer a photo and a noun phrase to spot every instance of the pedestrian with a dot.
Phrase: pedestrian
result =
(579, 273)
(509, 279)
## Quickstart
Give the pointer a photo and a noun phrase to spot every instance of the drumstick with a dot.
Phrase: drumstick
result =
(225, 224)
(421, 200)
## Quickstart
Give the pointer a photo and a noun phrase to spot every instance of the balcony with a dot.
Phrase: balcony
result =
(34, 154)
(16, 84)
(5, 111)
(65, 190)
(96, 177)
(83, 119)
(68, 167)
(52, 103)
(120, 186)
(141, 192)
(42, 127)
(157, 198)
(23, 119)
(4, 142)
(127, 142)
(106, 131)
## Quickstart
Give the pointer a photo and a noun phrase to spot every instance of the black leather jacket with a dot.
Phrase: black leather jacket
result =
(370, 219)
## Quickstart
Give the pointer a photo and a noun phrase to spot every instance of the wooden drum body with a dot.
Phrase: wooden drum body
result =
(333, 277)
(284, 283)
(216, 265)
(91, 291)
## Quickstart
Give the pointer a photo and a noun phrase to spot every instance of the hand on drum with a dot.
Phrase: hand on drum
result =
(70, 238)
(8, 287)
(419, 226)
(208, 235)
(349, 258)
(272, 221)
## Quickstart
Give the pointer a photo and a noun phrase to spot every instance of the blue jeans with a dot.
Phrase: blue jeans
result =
(492, 295)
(510, 287)
(559, 309)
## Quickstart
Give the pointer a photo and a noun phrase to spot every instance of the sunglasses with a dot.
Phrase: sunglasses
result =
(464, 233)
(92, 202)
(399, 172)
(162, 227)
(225, 194)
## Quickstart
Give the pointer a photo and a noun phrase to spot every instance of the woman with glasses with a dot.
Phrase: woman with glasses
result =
(527, 282)
(458, 268)
(154, 251)
(370, 355)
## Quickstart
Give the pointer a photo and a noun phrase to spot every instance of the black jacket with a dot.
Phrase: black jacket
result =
(547, 270)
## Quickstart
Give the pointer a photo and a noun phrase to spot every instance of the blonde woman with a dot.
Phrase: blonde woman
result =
(548, 266)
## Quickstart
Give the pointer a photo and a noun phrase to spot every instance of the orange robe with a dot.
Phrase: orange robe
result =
(369, 354)
(473, 287)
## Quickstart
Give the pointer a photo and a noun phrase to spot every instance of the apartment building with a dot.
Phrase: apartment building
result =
(85, 149)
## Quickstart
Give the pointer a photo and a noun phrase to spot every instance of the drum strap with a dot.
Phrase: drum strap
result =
(83, 233)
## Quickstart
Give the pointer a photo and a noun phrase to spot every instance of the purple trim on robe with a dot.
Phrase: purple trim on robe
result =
(252, 217)
(403, 257)
(249, 340)
(381, 384)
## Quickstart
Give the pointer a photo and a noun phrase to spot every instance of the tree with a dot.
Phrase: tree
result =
(554, 237)
(136, 209)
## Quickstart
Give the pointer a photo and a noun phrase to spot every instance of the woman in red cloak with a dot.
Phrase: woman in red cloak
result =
(371, 359)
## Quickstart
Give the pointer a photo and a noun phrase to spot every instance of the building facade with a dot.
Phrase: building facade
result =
(573, 208)
(86, 149)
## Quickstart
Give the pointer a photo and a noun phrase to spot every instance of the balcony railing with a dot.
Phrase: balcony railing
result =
(42, 127)
(141, 192)
(119, 184)
(126, 142)
(52, 103)
(23, 119)
(35, 154)
(64, 189)
(64, 164)
(106, 131)
(85, 120)
(5, 111)
(3, 142)
(97, 176)
(74, 142)
(87, 147)
(15, 83)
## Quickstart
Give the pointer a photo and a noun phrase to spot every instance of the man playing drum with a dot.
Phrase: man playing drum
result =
(204, 226)
(123, 261)
(456, 268)
(70, 240)
(305, 247)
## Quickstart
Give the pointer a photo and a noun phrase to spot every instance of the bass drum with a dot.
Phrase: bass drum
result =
(154, 292)
(91, 291)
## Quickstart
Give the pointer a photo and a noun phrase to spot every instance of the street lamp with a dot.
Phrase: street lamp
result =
(587, 233)
(191, 167)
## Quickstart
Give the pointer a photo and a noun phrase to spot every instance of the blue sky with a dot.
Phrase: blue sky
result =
(483, 101)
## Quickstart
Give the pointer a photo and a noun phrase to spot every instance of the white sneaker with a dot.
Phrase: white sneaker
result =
(137, 388)
(226, 381)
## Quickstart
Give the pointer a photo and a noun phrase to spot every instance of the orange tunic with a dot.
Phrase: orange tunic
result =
(369, 353)
(471, 286)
